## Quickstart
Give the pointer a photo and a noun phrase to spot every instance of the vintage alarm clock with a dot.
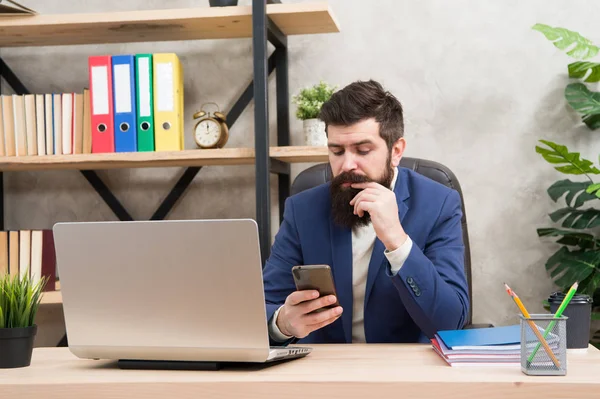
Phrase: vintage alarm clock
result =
(210, 131)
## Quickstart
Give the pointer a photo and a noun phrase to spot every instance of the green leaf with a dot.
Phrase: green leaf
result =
(592, 121)
(577, 218)
(573, 43)
(585, 102)
(559, 188)
(593, 188)
(579, 69)
(589, 285)
(571, 238)
(572, 164)
(596, 316)
(566, 267)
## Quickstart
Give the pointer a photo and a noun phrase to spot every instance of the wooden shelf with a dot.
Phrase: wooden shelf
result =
(52, 297)
(161, 25)
(300, 154)
(120, 160)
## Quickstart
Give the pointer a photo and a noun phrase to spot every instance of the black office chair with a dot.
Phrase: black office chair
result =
(321, 173)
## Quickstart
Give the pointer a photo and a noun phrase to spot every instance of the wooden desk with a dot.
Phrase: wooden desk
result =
(342, 371)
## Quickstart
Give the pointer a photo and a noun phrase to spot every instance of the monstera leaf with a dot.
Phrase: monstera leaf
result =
(577, 193)
(573, 43)
(577, 218)
(579, 70)
(586, 102)
(571, 163)
(570, 238)
(567, 267)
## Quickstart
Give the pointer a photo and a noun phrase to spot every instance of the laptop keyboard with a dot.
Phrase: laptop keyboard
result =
(292, 349)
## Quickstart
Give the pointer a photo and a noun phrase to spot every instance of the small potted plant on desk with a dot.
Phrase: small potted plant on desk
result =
(19, 301)
(309, 102)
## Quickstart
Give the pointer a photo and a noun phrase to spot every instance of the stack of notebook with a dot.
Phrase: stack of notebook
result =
(480, 346)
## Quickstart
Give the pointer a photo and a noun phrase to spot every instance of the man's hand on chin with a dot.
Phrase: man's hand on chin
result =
(381, 204)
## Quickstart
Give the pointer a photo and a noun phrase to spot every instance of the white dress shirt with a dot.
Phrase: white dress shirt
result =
(363, 240)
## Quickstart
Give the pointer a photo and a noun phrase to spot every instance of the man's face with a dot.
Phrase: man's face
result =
(357, 153)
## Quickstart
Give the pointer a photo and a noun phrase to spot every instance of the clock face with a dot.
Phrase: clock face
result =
(208, 133)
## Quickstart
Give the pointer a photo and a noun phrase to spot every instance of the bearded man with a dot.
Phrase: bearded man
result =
(391, 236)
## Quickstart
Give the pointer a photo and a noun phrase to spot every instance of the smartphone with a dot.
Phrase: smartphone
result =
(315, 277)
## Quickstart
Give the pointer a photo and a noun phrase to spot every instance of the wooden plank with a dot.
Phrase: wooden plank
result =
(161, 25)
(51, 297)
(299, 154)
(120, 160)
(303, 18)
(117, 160)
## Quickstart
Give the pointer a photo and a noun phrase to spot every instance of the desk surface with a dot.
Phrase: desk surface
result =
(346, 371)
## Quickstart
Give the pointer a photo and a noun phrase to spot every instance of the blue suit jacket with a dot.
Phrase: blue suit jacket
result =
(428, 294)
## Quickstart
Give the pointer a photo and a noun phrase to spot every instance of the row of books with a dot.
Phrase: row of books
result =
(45, 124)
(136, 102)
(29, 253)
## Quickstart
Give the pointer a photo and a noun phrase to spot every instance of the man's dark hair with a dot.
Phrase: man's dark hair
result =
(363, 100)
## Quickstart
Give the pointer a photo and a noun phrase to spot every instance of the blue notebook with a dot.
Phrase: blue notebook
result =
(508, 335)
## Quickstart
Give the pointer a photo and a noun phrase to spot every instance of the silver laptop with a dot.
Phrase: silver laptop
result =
(188, 290)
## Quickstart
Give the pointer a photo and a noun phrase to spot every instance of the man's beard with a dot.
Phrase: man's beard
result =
(341, 210)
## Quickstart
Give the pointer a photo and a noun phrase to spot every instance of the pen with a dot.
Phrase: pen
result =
(536, 331)
(557, 315)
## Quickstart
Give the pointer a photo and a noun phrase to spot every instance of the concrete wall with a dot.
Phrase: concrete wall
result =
(479, 88)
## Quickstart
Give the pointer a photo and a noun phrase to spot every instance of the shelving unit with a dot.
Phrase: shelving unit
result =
(259, 21)
(262, 22)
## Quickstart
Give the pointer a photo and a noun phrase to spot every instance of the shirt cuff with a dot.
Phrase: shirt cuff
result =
(398, 256)
(274, 331)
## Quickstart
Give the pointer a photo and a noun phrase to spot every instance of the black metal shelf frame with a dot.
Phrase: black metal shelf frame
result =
(263, 31)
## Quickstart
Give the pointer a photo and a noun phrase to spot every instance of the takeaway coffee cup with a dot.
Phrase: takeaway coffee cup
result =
(579, 313)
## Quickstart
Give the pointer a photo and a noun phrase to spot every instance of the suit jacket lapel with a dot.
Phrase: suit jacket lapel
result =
(341, 251)
(378, 257)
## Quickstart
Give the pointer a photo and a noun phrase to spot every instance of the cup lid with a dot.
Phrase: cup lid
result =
(557, 297)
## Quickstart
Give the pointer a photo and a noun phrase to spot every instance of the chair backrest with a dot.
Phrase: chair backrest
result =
(321, 173)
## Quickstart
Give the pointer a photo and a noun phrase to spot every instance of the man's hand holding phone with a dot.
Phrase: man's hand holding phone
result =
(303, 313)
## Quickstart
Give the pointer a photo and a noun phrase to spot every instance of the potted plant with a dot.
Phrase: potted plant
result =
(309, 102)
(19, 301)
(578, 258)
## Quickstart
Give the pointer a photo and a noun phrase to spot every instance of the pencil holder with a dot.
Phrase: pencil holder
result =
(543, 345)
